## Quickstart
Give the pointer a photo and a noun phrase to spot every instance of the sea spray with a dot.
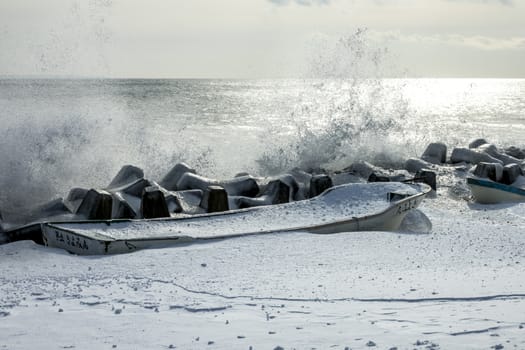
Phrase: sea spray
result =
(44, 150)
(346, 113)
(49, 136)
(59, 134)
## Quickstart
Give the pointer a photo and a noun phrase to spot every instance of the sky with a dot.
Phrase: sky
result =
(262, 38)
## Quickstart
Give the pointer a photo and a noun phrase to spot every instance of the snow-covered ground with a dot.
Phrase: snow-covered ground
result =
(462, 286)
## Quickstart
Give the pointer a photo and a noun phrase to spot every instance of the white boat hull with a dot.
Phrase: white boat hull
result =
(490, 192)
(324, 214)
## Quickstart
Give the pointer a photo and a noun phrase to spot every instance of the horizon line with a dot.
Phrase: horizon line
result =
(81, 77)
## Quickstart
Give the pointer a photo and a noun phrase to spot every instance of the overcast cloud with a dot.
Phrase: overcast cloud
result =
(256, 38)
(300, 2)
(503, 2)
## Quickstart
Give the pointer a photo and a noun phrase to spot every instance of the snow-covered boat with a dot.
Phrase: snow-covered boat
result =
(350, 207)
(486, 191)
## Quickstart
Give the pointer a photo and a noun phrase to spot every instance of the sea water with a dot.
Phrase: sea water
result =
(56, 134)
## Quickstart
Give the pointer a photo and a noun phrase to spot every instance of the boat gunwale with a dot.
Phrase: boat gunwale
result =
(495, 185)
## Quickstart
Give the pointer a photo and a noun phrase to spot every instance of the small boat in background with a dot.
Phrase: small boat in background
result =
(486, 191)
(350, 207)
